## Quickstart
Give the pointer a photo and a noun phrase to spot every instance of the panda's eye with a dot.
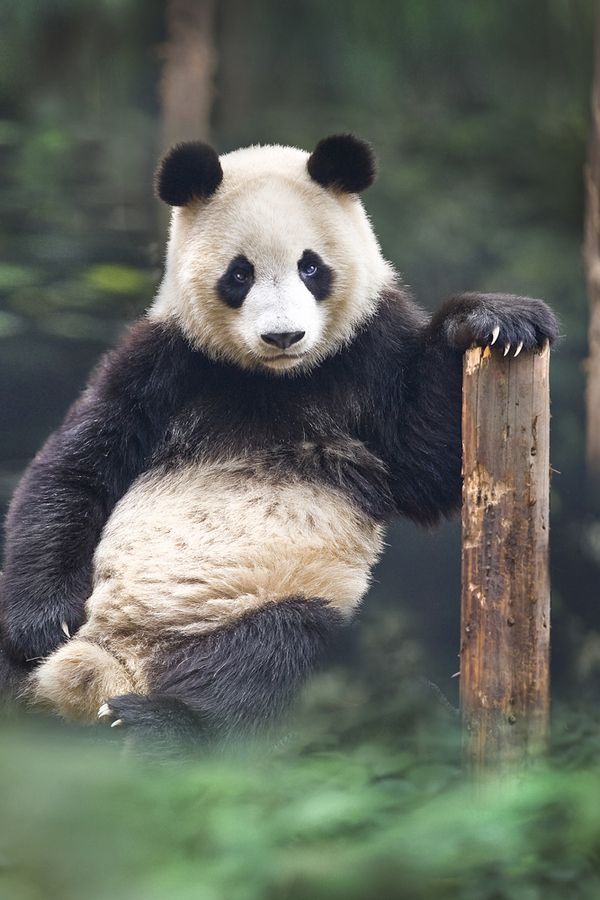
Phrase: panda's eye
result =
(316, 274)
(241, 275)
(236, 281)
(308, 264)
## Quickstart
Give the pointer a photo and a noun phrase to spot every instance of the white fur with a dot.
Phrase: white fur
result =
(270, 210)
(279, 305)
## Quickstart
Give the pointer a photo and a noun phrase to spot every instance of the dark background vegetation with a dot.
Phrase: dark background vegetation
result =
(479, 112)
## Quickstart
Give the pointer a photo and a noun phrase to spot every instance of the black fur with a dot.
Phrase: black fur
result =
(189, 171)
(234, 680)
(379, 421)
(320, 282)
(343, 162)
(235, 282)
(13, 680)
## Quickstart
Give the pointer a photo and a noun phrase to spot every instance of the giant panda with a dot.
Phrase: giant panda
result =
(184, 549)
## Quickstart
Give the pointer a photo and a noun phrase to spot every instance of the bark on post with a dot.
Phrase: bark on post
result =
(505, 615)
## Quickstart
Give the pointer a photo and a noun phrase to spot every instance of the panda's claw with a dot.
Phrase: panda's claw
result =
(104, 710)
(518, 350)
(495, 334)
(506, 349)
(65, 629)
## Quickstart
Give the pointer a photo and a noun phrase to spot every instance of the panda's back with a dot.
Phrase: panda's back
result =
(193, 548)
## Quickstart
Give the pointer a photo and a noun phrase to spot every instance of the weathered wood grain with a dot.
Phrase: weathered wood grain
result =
(505, 614)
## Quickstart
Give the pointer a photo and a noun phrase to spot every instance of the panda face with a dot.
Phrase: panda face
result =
(273, 271)
(277, 292)
(280, 320)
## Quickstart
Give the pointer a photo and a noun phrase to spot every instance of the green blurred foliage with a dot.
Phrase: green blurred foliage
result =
(321, 814)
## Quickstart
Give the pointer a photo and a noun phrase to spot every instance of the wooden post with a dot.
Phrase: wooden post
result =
(505, 615)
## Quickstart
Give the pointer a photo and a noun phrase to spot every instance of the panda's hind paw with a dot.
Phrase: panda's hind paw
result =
(129, 709)
(107, 712)
(104, 711)
(161, 721)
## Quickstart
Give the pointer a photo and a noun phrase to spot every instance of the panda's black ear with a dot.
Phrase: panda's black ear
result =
(189, 171)
(344, 162)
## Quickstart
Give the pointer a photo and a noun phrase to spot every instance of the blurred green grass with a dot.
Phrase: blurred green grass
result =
(360, 794)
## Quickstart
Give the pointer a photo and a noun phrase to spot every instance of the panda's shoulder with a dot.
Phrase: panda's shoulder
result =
(398, 314)
(150, 359)
(394, 329)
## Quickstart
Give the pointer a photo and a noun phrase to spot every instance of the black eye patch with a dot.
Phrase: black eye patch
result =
(236, 281)
(316, 275)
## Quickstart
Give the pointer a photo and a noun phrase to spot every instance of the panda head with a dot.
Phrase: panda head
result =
(272, 263)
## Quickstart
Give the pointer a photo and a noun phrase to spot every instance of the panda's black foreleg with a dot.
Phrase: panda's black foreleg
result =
(235, 680)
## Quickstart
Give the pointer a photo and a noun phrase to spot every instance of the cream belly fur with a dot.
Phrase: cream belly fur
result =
(191, 550)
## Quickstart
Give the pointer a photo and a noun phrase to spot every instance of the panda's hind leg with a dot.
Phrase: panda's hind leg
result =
(235, 679)
(76, 678)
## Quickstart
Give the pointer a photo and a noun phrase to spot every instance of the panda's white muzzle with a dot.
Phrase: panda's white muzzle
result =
(280, 319)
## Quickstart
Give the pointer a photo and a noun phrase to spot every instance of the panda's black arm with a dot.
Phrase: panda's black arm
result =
(70, 488)
(423, 450)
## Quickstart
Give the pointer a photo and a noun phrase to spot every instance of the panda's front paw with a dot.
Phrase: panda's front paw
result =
(509, 322)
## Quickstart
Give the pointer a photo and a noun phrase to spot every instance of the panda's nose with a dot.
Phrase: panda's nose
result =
(282, 339)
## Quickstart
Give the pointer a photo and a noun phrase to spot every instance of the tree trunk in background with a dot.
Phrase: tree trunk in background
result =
(592, 271)
(186, 87)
